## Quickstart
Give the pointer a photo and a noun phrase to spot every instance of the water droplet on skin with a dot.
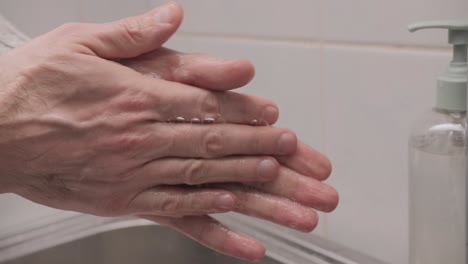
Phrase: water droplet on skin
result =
(254, 122)
(196, 120)
(180, 120)
(208, 120)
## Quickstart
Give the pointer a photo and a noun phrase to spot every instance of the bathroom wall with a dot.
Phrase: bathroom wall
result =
(347, 76)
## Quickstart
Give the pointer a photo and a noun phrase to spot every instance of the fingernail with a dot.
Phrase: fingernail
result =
(270, 115)
(286, 143)
(165, 14)
(266, 169)
(225, 202)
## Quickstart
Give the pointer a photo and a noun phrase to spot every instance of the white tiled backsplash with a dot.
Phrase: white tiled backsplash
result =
(385, 22)
(296, 19)
(347, 76)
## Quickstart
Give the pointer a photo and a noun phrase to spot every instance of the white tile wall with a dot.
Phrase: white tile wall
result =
(110, 10)
(259, 18)
(347, 76)
(385, 22)
(37, 17)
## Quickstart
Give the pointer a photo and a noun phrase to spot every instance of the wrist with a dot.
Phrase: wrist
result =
(7, 132)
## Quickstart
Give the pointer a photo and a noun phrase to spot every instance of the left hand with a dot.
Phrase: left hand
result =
(289, 200)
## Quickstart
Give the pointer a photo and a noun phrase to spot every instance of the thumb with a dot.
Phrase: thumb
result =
(133, 36)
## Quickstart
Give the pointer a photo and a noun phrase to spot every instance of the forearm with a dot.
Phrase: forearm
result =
(8, 155)
(10, 37)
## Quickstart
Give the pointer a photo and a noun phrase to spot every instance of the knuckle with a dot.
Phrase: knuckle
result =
(69, 28)
(194, 172)
(198, 205)
(212, 144)
(136, 103)
(169, 205)
(181, 65)
(210, 103)
(179, 68)
(128, 141)
(133, 29)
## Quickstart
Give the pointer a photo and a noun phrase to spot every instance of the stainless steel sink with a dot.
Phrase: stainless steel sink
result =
(77, 238)
(135, 245)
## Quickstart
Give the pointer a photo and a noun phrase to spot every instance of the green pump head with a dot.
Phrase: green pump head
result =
(452, 84)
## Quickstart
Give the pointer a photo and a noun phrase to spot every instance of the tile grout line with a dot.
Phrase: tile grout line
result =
(312, 42)
(323, 107)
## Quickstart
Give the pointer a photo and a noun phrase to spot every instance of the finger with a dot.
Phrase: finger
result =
(129, 37)
(188, 102)
(203, 72)
(179, 201)
(272, 208)
(200, 171)
(212, 234)
(165, 101)
(308, 162)
(200, 70)
(306, 191)
(219, 140)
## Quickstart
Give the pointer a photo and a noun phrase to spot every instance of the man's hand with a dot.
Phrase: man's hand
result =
(79, 131)
(288, 200)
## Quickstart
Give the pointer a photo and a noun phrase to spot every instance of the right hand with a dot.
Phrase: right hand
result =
(286, 200)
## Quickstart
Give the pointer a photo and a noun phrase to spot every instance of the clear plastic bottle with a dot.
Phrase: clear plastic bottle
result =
(437, 163)
(437, 188)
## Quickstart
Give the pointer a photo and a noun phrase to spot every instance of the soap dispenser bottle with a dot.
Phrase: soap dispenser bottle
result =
(437, 162)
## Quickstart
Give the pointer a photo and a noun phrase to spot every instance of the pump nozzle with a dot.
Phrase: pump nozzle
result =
(458, 30)
(452, 85)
